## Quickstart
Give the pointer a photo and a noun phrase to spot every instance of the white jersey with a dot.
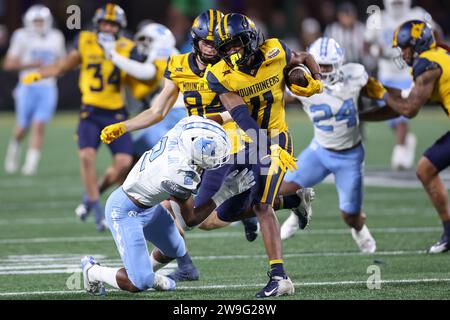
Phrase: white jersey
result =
(334, 111)
(30, 47)
(165, 161)
(380, 31)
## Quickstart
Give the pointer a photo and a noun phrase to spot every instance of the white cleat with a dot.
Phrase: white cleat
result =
(366, 243)
(93, 287)
(289, 227)
(277, 286)
(441, 246)
(403, 156)
(304, 210)
(300, 216)
(163, 283)
(29, 171)
(82, 211)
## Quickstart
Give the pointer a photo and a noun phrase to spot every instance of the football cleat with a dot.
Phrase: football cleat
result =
(289, 226)
(277, 286)
(304, 210)
(186, 273)
(93, 287)
(366, 243)
(163, 283)
(251, 228)
(101, 225)
(441, 246)
(82, 210)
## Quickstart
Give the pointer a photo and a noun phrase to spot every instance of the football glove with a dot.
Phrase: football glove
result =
(112, 132)
(314, 86)
(31, 77)
(280, 158)
(374, 89)
(235, 183)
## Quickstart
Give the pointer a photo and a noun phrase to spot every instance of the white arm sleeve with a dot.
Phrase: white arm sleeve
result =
(139, 70)
(16, 46)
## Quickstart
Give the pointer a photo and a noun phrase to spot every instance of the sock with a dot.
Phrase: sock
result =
(276, 268)
(31, 160)
(12, 156)
(184, 260)
(446, 225)
(99, 214)
(104, 274)
(289, 202)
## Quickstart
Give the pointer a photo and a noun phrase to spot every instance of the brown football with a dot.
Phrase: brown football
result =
(296, 75)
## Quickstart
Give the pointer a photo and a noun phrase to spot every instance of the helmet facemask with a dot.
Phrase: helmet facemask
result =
(331, 73)
(203, 58)
(248, 41)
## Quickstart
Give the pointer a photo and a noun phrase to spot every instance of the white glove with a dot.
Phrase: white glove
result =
(235, 183)
(108, 42)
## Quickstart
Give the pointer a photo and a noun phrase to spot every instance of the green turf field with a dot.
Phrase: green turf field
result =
(41, 240)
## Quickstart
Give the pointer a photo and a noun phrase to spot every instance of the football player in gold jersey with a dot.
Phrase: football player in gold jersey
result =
(101, 84)
(250, 82)
(431, 72)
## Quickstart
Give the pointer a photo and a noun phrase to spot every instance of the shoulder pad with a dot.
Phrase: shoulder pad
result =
(421, 65)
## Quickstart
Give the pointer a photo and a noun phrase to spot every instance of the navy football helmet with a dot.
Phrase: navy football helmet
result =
(203, 29)
(415, 34)
(111, 13)
(237, 30)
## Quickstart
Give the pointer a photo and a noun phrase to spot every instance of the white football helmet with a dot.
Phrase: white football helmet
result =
(156, 39)
(397, 8)
(327, 52)
(205, 143)
(35, 13)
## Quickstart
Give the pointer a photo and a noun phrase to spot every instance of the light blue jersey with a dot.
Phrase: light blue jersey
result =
(336, 148)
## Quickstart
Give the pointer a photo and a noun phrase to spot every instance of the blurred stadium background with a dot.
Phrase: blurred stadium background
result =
(41, 240)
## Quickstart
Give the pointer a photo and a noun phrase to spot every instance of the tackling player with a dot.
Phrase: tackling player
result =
(249, 81)
(431, 72)
(101, 85)
(337, 144)
(172, 169)
(33, 46)
(379, 32)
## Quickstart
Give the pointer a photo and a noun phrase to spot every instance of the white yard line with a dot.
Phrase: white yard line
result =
(218, 234)
(240, 286)
(63, 268)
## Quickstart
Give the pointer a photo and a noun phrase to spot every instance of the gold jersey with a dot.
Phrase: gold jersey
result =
(101, 82)
(261, 88)
(199, 100)
(441, 91)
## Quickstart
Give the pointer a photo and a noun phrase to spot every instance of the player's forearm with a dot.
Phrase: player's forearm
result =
(378, 114)
(18, 66)
(138, 70)
(144, 119)
(201, 213)
(404, 107)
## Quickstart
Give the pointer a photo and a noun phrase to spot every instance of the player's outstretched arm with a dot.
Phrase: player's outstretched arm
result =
(420, 94)
(378, 114)
(139, 70)
(162, 105)
(188, 216)
(61, 66)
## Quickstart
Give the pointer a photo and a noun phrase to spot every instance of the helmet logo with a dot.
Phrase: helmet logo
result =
(416, 30)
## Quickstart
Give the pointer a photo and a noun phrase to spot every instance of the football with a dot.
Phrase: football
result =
(296, 75)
